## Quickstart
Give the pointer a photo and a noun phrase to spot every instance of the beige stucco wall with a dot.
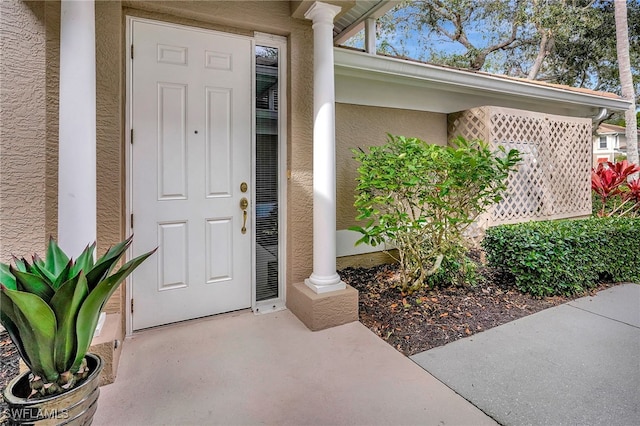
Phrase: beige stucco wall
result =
(52, 20)
(110, 168)
(23, 128)
(29, 138)
(364, 126)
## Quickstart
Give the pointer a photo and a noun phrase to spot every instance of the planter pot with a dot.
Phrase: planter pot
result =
(74, 407)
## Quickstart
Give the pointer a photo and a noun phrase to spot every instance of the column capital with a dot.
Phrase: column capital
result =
(322, 12)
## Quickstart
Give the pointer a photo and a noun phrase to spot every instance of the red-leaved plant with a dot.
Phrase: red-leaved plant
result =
(633, 193)
(617, 196)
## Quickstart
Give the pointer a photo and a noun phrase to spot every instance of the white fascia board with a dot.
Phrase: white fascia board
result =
(374, 67)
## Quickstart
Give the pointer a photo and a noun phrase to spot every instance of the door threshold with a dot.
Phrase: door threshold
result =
(268, 307)
(194, 321)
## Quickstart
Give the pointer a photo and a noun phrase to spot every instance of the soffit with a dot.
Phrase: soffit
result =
(390, 82)
(352, 21)
(352, 15)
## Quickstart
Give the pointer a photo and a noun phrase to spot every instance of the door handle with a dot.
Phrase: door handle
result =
(244, 203)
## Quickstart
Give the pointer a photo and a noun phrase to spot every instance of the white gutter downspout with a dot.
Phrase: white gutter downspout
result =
(596, 120)
(601, 115)
(324, 278)
(77, 127)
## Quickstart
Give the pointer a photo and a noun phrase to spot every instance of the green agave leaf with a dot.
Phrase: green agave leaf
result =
(105, 264)
(66, 304)
(39, 269)
(32, 283)
(36, 260)
(21, 264)
(6, 277)
(84, 262)
(90, 309)
(12, 329)
(36, 324)
(64, 276)
(56, 259)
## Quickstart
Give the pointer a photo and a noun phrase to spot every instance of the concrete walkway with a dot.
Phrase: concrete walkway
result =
(244, 369)
(574, 364)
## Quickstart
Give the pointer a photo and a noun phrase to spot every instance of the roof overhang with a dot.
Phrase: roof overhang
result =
(373, 80)
(352, 21)
(351, 17)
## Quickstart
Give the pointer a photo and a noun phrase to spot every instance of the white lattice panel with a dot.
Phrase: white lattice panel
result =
(552, 182)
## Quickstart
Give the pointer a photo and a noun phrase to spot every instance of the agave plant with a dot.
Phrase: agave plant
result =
(50, 308)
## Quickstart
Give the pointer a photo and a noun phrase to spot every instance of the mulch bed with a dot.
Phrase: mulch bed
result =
(411, 324)
(432, 318)
(9, 368)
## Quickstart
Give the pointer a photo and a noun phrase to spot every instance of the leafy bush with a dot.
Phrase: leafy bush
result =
(619, 157)
(421, 197)
(567, 256)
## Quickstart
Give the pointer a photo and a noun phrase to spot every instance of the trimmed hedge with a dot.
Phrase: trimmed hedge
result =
(565, 256)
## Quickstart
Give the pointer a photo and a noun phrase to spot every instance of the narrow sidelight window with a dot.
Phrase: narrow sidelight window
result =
(267, 206)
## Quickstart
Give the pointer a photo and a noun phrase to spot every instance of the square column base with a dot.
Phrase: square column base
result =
(320, 311)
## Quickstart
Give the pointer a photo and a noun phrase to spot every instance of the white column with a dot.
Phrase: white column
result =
(77, 127)
(324, 277)
(370, 36)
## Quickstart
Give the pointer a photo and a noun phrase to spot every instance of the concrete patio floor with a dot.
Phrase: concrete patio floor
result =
(242, 369)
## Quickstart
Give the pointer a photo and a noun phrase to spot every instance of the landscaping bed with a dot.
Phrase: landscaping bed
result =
(431, 318)
(9, 368)
(411, 324)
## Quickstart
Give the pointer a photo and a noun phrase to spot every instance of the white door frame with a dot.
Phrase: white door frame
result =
(263, 40)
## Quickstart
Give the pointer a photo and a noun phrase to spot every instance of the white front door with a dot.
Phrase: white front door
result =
(192, 129)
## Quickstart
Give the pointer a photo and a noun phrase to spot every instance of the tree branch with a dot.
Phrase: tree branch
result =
(543, 51)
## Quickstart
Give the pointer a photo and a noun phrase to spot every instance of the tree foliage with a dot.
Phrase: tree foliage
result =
(576, 43)
(570, 42)
(422, 197)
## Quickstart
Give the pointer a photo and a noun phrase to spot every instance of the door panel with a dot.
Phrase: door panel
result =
(172, 144)
(192, 126)
(218, 145)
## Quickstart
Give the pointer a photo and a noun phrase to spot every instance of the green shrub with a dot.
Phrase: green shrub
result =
(421, 197)
(565, 256)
